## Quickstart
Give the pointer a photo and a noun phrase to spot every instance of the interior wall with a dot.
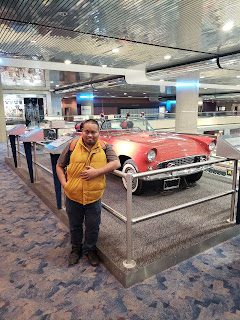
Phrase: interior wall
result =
(105, 110)
(209, 106)
(71, 104)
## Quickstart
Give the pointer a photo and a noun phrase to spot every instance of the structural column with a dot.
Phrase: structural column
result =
(2, 116)
(187, 91)
(187, 94)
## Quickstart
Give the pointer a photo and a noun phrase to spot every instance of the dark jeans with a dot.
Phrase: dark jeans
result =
(76, 214)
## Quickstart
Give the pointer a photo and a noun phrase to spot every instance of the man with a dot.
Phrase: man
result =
(84, 187)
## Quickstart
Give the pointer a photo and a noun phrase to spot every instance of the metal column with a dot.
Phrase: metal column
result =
(129, 263)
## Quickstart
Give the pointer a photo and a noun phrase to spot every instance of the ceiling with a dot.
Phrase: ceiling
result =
(167, 38)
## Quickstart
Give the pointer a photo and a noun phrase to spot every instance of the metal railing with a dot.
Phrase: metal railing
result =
(129, 262)
(129, 220)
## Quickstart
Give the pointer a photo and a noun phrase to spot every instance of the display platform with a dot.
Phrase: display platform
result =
(158, 243)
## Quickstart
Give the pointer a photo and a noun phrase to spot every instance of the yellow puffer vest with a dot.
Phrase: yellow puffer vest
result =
(78, 189)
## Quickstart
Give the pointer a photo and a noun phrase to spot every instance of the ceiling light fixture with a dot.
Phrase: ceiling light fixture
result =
(125, 93)
(238, 76)
(104, 65)
(1, 61)
(167, 57)
(144, 92)
(201, 77)
(33, 41)
(115, 50)
(228, 26)
(67, 61)
(161, 80)
(57, 85)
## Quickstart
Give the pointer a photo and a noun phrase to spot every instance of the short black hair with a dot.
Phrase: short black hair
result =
(92, 121)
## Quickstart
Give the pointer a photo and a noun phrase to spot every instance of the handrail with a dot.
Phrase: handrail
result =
(178, 168)
(181, 206)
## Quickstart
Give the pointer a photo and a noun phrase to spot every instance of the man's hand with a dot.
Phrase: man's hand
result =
(90, 173)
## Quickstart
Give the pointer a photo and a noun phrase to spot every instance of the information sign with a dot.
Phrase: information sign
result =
(17, 131)
(228, 146)
(33, 135)
(57, 146)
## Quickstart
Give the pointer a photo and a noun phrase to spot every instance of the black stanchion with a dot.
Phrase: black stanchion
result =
(238, 206)
(28, 152)
(13, 146)
(57, 184)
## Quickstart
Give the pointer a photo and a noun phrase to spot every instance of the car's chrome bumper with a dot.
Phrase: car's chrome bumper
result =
(175, 174)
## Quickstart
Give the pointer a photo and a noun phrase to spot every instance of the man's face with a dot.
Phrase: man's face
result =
(90, 134)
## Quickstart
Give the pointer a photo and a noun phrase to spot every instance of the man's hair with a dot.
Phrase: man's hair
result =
(92, 121)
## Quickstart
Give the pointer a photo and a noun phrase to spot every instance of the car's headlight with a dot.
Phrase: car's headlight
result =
(212, 146)
(151, 155)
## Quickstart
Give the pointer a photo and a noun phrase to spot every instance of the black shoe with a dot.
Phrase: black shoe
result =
(75, 255)
(93, 258)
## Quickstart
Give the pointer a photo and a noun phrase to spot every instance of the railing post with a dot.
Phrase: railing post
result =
(8, 153)
(35, 162)
(129, 263)
(234, 186)
(19, 155)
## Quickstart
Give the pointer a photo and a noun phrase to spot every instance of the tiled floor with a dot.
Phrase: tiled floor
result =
(36, 282)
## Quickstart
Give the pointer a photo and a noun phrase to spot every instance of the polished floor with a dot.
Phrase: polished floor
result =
(36, 282)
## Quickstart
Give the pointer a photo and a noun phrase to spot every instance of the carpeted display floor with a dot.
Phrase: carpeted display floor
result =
(36, 282)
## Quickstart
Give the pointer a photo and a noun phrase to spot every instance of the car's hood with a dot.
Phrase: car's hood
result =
(164, 141)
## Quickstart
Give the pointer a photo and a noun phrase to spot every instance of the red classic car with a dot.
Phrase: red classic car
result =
(141, 149)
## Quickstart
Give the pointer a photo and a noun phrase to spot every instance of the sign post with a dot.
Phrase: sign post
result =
(55, 148)
(16, 131)
(29, 137)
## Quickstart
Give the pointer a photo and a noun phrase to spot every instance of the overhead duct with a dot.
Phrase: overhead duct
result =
(226, 61)
(229, 62)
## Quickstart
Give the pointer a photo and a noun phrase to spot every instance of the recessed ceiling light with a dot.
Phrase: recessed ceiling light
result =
(167, 57)
(144, 92)
(125, 93)
(161, 80)
(201, 77)
(238, 76)
(115, 50)
(33, 41)
(67, 61)
(104, 65)
(51, 81)
(228, 26)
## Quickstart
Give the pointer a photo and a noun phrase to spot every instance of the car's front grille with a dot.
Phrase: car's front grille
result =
(181, 161)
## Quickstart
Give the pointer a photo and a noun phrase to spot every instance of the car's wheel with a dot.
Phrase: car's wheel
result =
(129, 166)
(194, 177)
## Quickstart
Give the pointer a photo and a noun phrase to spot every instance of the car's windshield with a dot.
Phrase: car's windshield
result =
(130, 123)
